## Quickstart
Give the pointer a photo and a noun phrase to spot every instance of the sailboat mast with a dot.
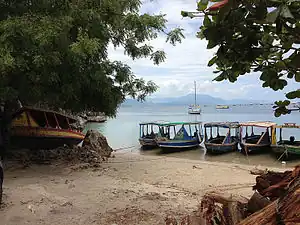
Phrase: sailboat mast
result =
(195, 93)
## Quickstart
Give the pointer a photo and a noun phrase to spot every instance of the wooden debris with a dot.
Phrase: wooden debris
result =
(276, 201)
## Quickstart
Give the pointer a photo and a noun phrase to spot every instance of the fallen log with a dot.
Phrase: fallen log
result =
(216, 208)
(257, 202)
(284, 210)
(273, 185)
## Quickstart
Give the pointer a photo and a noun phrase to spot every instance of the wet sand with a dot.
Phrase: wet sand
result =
(129, 189)
(267, 159)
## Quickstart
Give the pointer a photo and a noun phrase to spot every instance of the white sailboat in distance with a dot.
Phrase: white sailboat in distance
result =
(195, 108)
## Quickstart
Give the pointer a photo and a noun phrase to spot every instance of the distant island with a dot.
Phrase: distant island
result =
(189, 99)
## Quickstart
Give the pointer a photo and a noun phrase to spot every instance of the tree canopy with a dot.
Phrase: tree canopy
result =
(253, 36)
(56, 52)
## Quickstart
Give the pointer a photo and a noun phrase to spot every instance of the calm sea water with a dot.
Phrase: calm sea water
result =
(123, 131)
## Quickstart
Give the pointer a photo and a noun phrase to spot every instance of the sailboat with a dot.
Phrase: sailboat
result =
(194, 108)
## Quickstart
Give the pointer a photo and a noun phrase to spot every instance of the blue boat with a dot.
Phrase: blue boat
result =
(255, 142)
(180, 135)
(217, 143)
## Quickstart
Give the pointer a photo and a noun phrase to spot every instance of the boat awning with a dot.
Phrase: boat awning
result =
(222, 124)
(180, 123)
(288, 125)
(258, 124)
(158, 123)
(30, 109)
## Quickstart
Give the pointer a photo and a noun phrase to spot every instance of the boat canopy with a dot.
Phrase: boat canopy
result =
(158, 123)
(60, 116)
(288, 125)
(222, 124)
(180, 123)
(258, 124)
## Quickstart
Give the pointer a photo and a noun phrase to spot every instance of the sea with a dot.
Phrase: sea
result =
(122, 132)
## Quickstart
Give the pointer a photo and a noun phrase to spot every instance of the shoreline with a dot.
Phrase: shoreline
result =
(128, 189)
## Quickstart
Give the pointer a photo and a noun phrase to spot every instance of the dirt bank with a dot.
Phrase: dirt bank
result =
(129, 189)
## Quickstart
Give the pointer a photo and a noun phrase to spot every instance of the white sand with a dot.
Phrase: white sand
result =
(129, 189)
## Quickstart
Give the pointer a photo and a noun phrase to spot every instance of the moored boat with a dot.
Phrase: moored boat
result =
(222, 107)
(286, 148)
(195, 108)
(35, 128)
(256, 143)
(221, 143)
(180, 135)
(148, 133)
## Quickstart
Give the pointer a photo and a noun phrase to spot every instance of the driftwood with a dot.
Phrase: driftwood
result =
(219, 209)
(285, 210)
(275, 201)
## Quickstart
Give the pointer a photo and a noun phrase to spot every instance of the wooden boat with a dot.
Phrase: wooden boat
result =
(43, 129)
(195, 108)
(285, 148)
(221, 143)
(148, 133)
(255, 143)
(180, 135)
(222, 107)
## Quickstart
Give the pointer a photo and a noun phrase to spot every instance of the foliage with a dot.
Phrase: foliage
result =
(254, 36)
(56, 52)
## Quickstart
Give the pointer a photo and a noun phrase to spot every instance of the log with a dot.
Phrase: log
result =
(284, 210)
(257, 202)
(217, 208)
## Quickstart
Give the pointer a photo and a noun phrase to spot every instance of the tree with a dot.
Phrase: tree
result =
(254, 36)
(55, 52)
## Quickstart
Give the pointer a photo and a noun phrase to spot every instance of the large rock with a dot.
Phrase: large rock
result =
(97, 142)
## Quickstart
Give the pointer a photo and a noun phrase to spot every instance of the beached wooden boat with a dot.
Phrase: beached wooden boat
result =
(148, 133)
(256, 143)
(286, 148)
(180, 135)
(35, 128)
(221, 143)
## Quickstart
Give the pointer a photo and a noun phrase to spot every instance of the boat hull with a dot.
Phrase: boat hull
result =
(148, 142)
(178, 144)
(248, 149)
(220, 148)
(286, 151)
(195, 112)
(44, 138)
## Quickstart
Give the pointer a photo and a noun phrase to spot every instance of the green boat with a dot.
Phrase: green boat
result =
(285, 148)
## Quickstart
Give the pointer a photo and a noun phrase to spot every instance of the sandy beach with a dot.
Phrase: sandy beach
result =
(128, 189)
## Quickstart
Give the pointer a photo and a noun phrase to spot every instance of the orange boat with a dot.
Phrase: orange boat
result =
(35, 128)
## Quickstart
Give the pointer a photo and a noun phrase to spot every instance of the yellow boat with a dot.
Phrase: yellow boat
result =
(35, 128)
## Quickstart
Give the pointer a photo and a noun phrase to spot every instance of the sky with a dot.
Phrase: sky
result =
(187, 62)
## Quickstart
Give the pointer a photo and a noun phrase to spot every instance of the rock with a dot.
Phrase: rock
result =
(97, 142)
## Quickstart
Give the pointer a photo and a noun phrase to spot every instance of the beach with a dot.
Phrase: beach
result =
(128, 189)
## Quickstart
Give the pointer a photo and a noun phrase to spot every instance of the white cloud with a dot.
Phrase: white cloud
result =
(187, 61)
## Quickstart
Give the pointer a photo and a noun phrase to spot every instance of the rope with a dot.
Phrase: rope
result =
(124, 148)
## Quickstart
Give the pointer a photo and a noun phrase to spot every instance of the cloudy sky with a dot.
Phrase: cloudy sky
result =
(187, 61)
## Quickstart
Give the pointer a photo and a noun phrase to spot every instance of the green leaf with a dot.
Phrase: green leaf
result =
(206, 21)
(211, 44)
(212, 61)
(295, 60)
(221, 77)
(285, 12)
(184, 13)
(297, 76)
(290, 75)
(202, 4)
(272, 16)
(293, 94)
